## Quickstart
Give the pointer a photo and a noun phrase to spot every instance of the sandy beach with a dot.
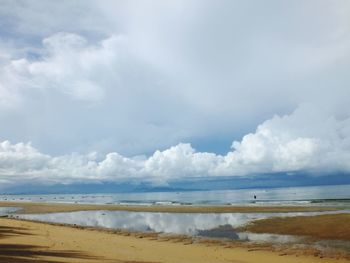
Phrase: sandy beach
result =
(26, 241)
(23, 241)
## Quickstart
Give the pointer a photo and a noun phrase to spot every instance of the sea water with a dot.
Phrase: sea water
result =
(318, 195)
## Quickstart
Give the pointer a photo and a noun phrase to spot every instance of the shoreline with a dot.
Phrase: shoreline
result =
(67, 243)
(37, 208)
(15, 230)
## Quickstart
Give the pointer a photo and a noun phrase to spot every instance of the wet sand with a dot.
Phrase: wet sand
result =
(30, 208)
(335, 227)
(23, 241)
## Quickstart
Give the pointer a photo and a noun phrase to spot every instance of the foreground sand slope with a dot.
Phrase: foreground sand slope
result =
(22, 241)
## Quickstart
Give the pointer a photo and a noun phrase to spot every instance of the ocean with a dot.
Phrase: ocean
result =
(310, 195)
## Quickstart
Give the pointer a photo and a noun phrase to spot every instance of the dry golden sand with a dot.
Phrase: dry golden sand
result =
(59, 207)
(29, 242)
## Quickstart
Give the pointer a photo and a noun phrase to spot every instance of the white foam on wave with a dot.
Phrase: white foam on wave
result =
(174, 223)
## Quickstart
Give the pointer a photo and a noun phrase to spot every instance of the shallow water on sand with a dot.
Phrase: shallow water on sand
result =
(8, 210)
(213, 225)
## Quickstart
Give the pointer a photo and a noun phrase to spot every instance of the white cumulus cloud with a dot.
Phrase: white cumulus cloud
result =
(71, 65)
(305, 140)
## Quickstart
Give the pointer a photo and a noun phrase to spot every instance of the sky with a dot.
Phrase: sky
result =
(155, 91)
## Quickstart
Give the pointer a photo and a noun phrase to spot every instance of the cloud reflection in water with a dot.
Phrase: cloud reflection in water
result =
(217, 225)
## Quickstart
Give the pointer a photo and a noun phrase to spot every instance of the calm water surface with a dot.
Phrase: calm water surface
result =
(215, 225)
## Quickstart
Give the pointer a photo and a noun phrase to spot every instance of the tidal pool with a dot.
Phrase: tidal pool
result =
(213, 225)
